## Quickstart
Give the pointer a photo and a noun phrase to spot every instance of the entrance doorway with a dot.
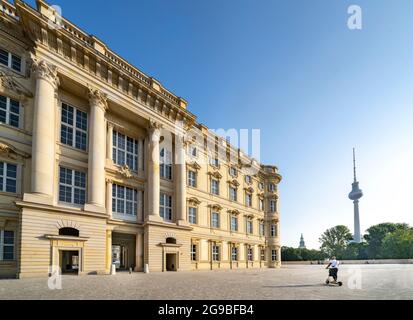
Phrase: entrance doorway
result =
(123, 250)
(69, 262)
(171, 262)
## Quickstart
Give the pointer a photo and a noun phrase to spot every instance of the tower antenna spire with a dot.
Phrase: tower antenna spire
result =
(354, 164)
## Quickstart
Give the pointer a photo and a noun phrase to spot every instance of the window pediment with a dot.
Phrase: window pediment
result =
(215, 174)
(194, 201)
(194, 165)
(233, 182)
(249, 190)
(8, 84)
(234, 212)
(9, 151)
(215, 206)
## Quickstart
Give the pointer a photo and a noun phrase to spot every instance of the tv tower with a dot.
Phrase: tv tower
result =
(355, 195)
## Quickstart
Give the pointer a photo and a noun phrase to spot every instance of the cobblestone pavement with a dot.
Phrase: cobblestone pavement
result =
(289, 282)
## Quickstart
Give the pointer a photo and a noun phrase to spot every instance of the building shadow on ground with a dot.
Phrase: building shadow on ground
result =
(296, 286)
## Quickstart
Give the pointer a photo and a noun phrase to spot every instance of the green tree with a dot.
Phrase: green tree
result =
(290, 254)
(398, 245)
(334, 241)
(376, 234)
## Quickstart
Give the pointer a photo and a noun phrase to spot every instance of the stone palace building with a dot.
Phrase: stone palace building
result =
(100, 165)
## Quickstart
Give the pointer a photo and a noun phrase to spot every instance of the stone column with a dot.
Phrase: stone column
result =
(180, 181)
(96, 173)
(43, 145)
(278, 257)
(139, 252)
(109, 142)
(153, 171)
(108, 250)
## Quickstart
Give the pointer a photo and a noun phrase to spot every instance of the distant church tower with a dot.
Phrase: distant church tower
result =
(302, 243)
(355, 195)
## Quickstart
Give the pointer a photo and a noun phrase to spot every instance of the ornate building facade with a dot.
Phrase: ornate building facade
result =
(100, 165)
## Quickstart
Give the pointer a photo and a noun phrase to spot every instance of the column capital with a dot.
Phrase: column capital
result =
(46, 71)
(97, 98)
(154, 130)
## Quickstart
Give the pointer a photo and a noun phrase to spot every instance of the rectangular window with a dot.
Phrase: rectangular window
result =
(215, 253)
(214, 161)
(261, 204)
(215, 186)
(166, 164)
(6, 245)
(192, 151)
(215, 220)
(125, 151)
(234, 254)
(73, 130)
(72, 186)
(271, 187)
(262, 254)
(248, 200)
(124, 200)
(192, 215)
(233, 194)
(10, 60)
(273, 255)
(165, 207)
(232, 171)
(250, 254)
(10, 111)
(272, 205)
(262, 229)
(8, 177)
(273, 230)
(193, 252)
(192, 178)
(249, 226)
(234, 223)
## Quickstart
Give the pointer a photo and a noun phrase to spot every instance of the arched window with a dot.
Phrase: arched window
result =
(66, 231)
(171, 240)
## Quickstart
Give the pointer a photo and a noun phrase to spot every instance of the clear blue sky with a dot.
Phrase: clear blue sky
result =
(293, 69)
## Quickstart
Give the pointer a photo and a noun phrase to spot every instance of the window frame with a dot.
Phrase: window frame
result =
(217, 186)
(10, 113)
(273, 230)
(233, 197)
(165, 207)
(262, 229)
(10, 56)
(273, 255)
(195, 210)
(117, 150)
(234, 218)
(3, 245)
(262, 254)
(116, 199)
(250, 254)
(216, 253)
(248, 199)
(73, 127)
(165, 167)
(192, 180)
(250, 226)
(72, 186)
(234, 248)
(194, 252)
(4, 174)
(218, 222)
